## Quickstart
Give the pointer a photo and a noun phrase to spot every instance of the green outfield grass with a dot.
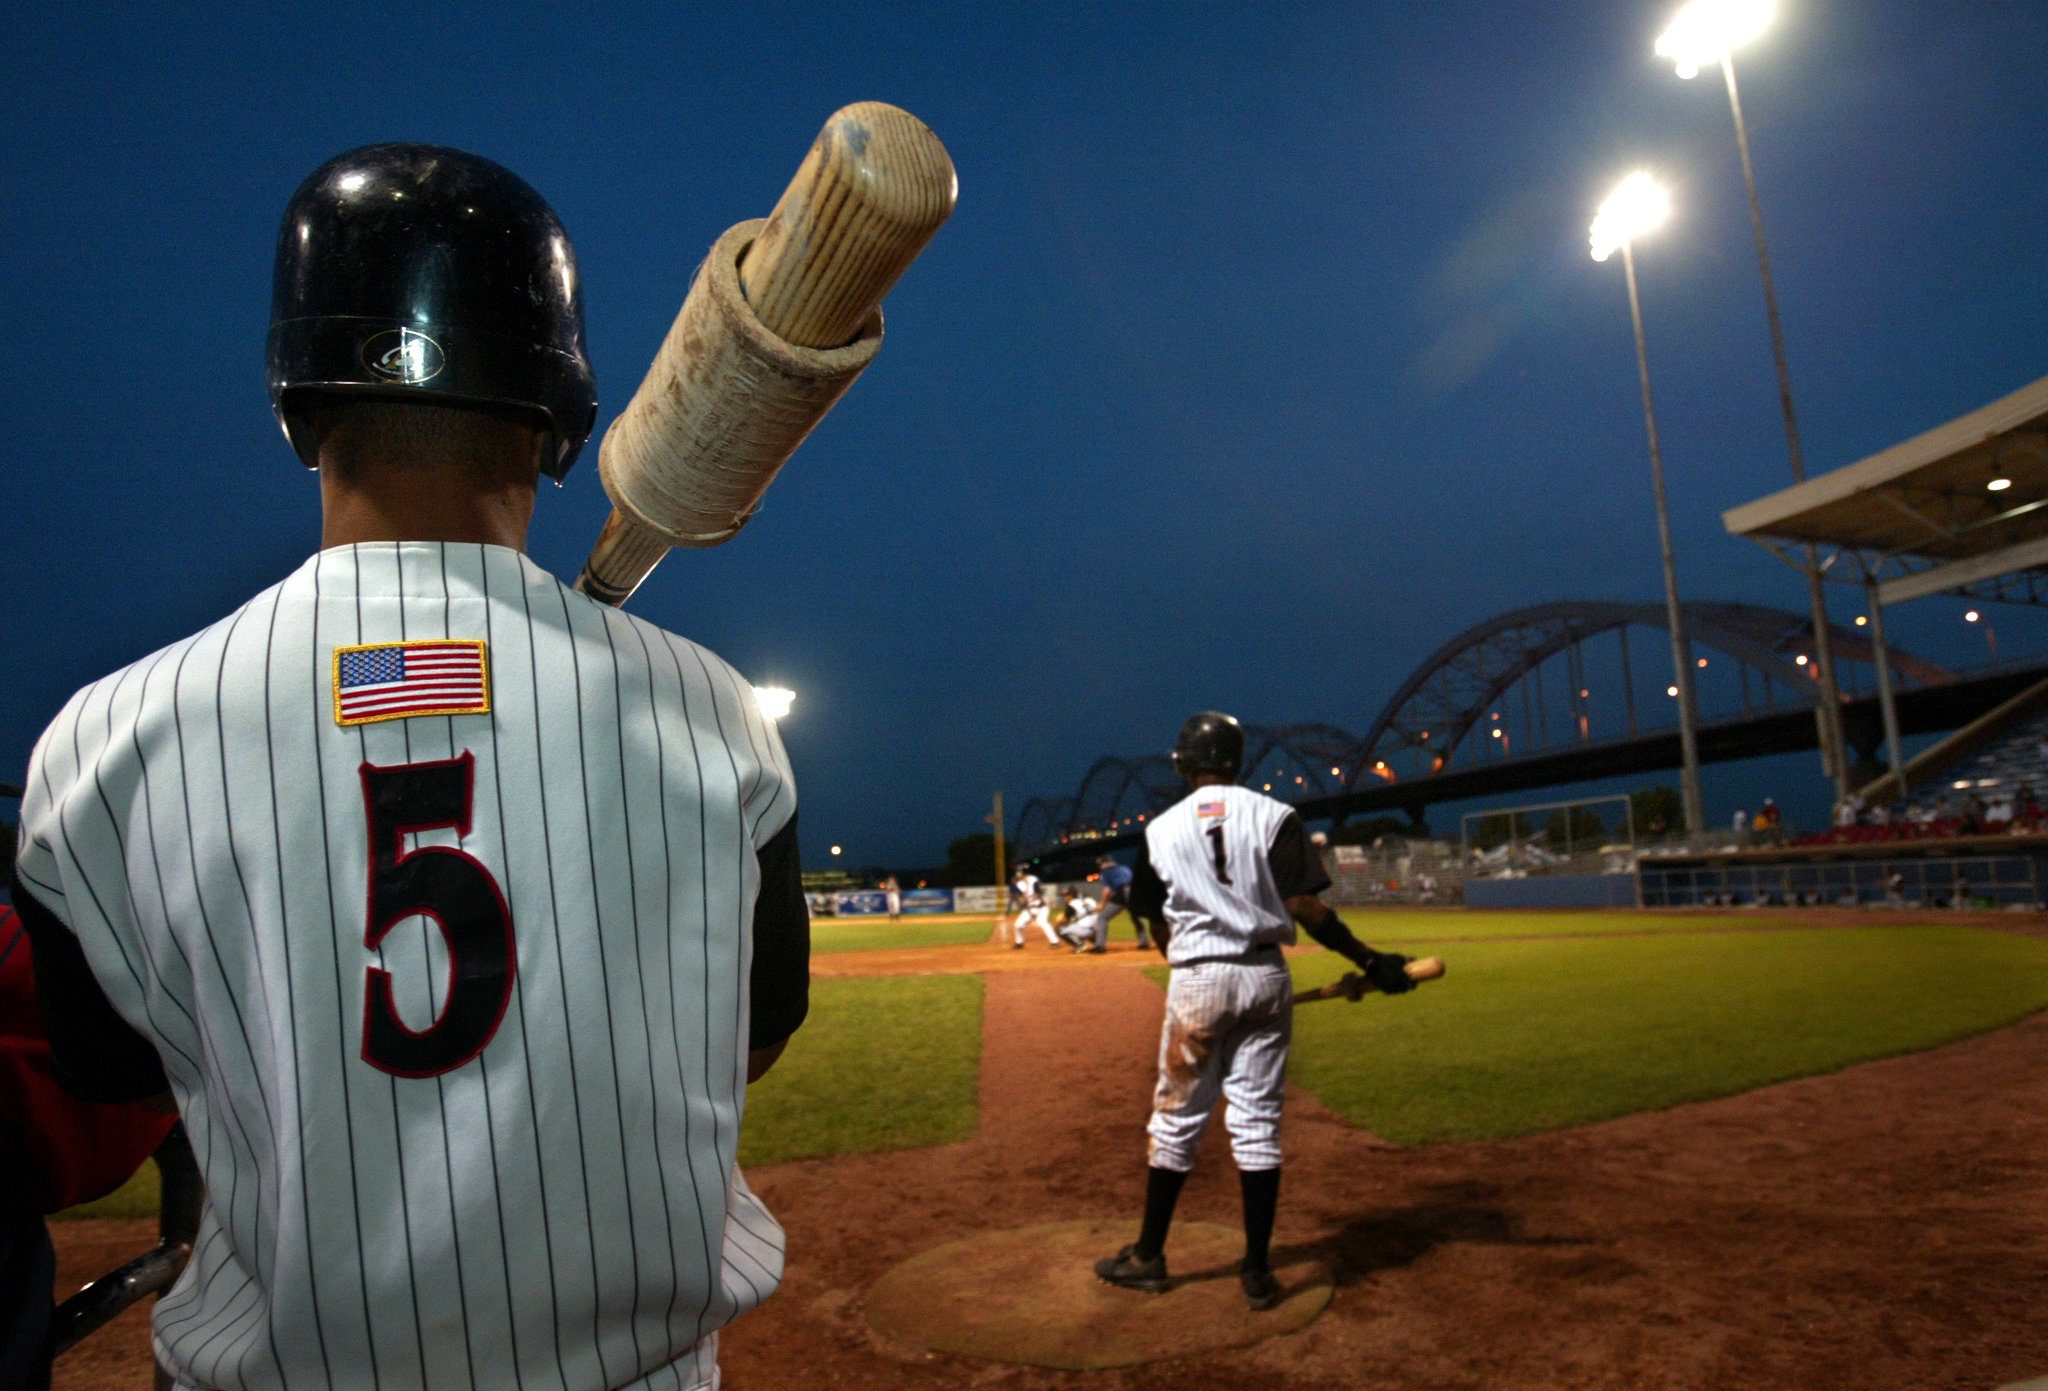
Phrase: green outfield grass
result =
(879, 934)
(1528, 1036)
(883, 1063)
(1402, 926)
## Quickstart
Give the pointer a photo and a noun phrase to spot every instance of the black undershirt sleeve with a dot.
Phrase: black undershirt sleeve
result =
(1298, 869)
(781, 982)
(1297, 865)
(94, 1054)
(1148, 890)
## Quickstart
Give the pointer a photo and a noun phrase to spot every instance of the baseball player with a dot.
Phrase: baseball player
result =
(1031, 908)
(1083, 928)
(453, 909)
(1230, 872)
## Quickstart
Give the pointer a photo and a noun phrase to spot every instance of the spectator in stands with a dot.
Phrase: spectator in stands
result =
(1881, 814)
(2024, 806)
(1998, 817)
(1767, 825)
(1972, 812)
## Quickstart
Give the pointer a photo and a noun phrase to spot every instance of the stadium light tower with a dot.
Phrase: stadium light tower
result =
(1704, 32)
(1638, 205)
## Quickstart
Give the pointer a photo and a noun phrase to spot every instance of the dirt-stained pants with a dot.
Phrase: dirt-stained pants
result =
(1226, 1033)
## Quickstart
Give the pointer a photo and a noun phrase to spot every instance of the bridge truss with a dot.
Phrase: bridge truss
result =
(1460, 700)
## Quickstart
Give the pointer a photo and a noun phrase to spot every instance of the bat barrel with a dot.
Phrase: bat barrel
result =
(780, 319)
(874, 189)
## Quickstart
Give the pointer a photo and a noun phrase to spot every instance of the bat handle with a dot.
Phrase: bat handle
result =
(625, 554)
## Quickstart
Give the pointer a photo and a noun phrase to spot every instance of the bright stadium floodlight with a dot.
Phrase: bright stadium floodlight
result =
(774, 700)
(1703, 33)
(1706, 31)
(1638, 204)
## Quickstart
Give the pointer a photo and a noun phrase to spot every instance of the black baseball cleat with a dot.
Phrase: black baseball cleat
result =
(1125, 1269)
(1261, 1290)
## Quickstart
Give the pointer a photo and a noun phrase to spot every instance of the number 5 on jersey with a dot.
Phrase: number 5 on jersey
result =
(457, 894)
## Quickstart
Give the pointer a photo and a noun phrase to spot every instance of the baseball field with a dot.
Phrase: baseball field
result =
(1716, 1150)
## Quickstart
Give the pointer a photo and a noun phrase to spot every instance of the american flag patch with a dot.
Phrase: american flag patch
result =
(1209, 809)
(397, 680)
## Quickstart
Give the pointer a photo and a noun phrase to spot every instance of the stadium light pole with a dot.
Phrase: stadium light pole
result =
(1636, 206)
(1708, 31)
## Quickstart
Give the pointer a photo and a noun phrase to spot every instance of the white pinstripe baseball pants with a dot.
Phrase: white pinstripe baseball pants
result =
(1226, 1034)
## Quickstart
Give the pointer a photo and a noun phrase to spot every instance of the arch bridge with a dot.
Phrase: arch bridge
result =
(1510, 693)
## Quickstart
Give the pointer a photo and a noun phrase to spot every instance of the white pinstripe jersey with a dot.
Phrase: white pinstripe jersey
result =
(510, 1169)
(1211, 848)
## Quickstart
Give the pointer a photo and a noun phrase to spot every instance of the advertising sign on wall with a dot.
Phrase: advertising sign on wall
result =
(927, 900)
(978, 900)
(848, 903)
(820, 904)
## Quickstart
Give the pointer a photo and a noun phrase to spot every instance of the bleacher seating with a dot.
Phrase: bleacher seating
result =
(2013, 771)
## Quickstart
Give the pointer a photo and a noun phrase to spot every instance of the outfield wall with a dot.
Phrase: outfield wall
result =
(1553, 891)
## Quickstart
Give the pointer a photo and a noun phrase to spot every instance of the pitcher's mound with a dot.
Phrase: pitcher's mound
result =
(1030, 1295)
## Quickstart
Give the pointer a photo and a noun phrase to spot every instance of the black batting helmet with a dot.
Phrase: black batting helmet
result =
(423, 272)
(1211, 742)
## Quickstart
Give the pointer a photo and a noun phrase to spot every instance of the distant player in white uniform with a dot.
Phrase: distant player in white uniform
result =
(1031, 909)
(454, 910)
(1231, 871)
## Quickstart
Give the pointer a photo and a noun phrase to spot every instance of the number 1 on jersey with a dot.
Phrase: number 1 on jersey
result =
(1216, 844)
(453, 890)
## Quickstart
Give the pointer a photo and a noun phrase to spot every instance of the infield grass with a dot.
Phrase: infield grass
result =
(1526, 1036)
(881, 1063)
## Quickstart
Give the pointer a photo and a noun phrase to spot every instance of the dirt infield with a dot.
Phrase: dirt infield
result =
(1883, 1227)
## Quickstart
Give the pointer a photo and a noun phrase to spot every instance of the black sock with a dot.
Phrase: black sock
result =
(1261, 1200)
(1162, 1191)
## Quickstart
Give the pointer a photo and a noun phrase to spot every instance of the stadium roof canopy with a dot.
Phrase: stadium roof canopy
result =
(1932, 514)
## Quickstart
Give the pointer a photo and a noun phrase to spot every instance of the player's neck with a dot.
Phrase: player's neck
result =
(422, 506)
(1211, 780)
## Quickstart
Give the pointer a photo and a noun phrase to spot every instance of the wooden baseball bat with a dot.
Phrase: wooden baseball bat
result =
(1355, 987)
(780, 320)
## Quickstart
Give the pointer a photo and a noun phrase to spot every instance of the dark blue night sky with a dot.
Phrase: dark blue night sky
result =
(1263, 354)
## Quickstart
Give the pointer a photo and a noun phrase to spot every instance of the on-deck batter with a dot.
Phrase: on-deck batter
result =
(454, 908)
(1231, 871)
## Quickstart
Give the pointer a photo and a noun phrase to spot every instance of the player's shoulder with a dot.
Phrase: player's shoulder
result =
(104, 720)
(691, 659)
(151, 678)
